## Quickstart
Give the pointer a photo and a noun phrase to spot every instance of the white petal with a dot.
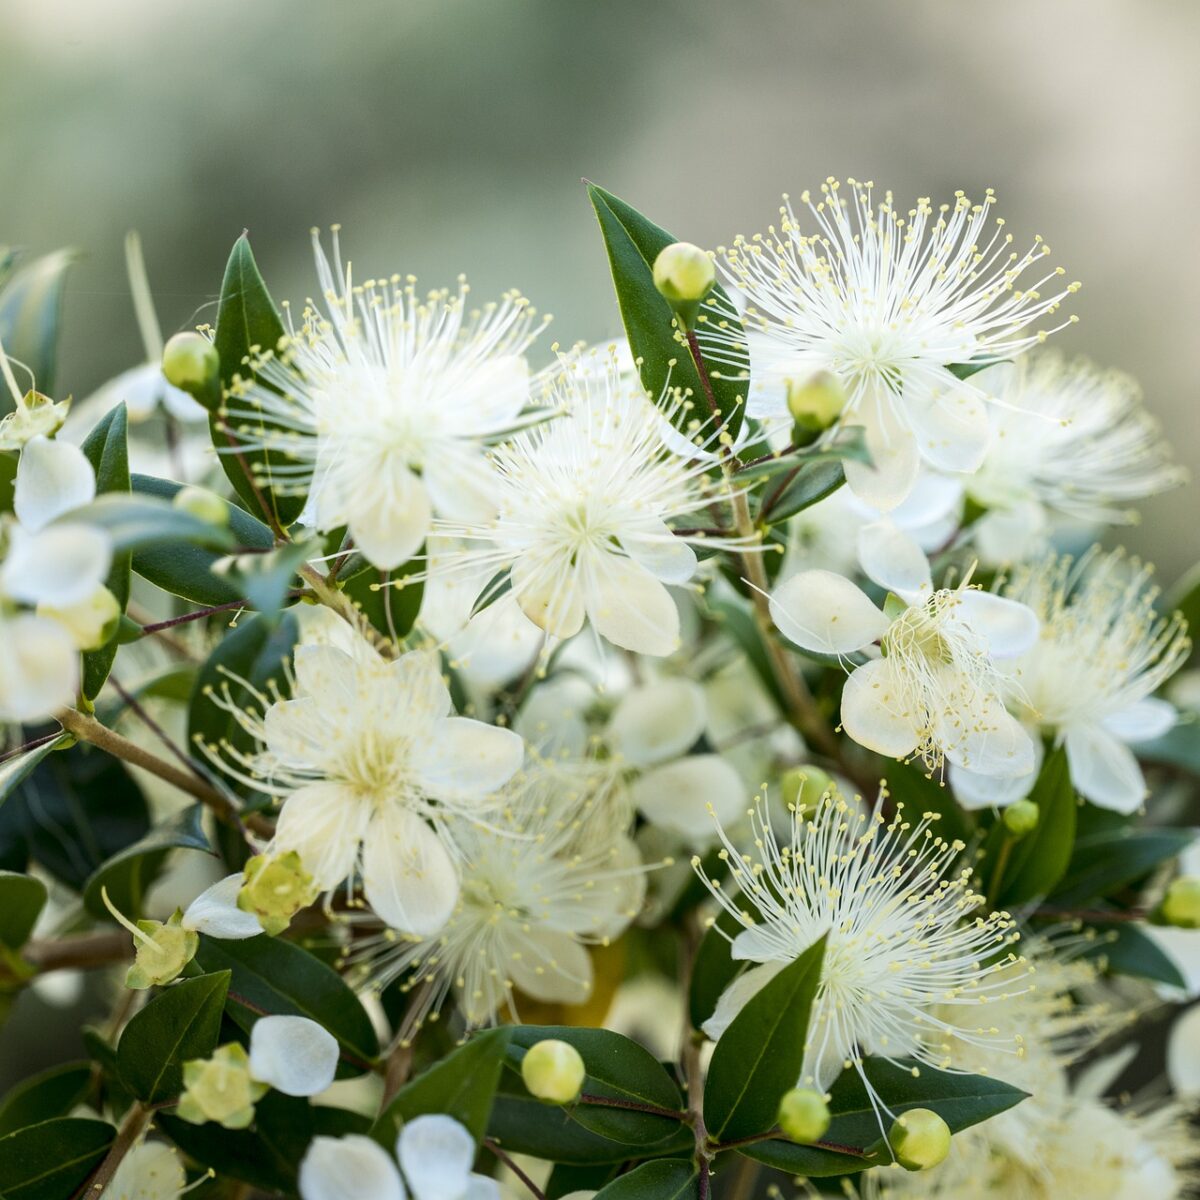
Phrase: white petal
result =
(975, 791)
(59, 566)
(39, 668)
(409, 877)
(417, 678)
(1183, 1053)
(326, 673)
(553, 718)
(436, 1154)
(462, 485)
(664, 555)
(1104, 770)
(483, 1187)
(677, 796)
(893, 450)
(984, 737)
(821, 611)
(150, 1171)
(1008, 627)
(52, 479)
(893, 560)
(549, 593)
(934, 499)
(629, 606)
(658, 721)
(874, 712)
(215, 912)
(952, 429)
(737, 995)
(1142, 721)
(1010, 535)
(754, 945)
(325, 824)
(467, 760)
(389, 517)
(499, 389)
(294, 1055)
(349, 1168)
(553, 967)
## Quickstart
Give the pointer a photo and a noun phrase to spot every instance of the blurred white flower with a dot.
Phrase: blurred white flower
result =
(887, 302)
(386, 401)
(149, 1171)
(33, 415)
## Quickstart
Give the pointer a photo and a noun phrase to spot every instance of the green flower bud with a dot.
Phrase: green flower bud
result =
(191, 363)
(803, 1115)
(1021, 818)
(920, 1139)
(553, 1071)
(1181, 904)
(202, 504)
(220, 1089)
(816, 402)
(802, 787)
(91, 622)
(161, 951)
(684, 272)
(276, 888)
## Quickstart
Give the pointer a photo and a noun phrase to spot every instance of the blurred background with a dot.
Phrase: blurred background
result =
(450, 136)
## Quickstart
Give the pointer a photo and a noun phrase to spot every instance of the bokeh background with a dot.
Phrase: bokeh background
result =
(450, 135)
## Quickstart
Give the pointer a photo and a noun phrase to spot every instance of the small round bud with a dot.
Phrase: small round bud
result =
(190, 361)
(803, 1115)
(220, 1089)
(1021, 818)
(553, 1071)
(920, 1139)
(1181, 904)
(202, 504)
(91, 622)
(816, 402)
(683, 272)
(275, 890)
(802, 787)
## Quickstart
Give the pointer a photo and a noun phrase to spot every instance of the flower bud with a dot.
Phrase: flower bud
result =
(803, 1115)
(1181, 904)
(684, 274)
(202, 504)
(91, 622)
(276, 888)
(802, 787)
(815, 403)
(553, 1071)
(191, 363)
(920, 1139)
(220, 1089)
(1021, 818)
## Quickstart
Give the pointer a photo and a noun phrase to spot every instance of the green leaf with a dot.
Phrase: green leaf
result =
(181, 1023)
(965, 370)
(714, 968)
(52, 1160)
(140, 523)
(16, 769)
(265, 579)
(22, 899)
(107, 449)
(848, 443)
(1179, 746)
(1128, 950)
(565, 1179)
(810, 484)
(617, 1068)
(739, 623)
(1105, 863)
(8, 479)
(129, 873)
(633, 243)
(41, 1097)
(461, 1085)
(1039, 861)
(280, 978)
(920, 794)
(247, 321)
(666, 1179)
(391, 610)
(30, 316)
(760, 1055)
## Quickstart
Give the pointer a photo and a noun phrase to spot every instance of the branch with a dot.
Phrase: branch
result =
(84, 952)
(534, 1190)
(131, 1129)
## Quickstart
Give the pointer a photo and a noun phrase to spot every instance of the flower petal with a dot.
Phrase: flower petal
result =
(549, 592)
(409, 878)
(461, 483)
(679, 795)
(325, 824)
(1142, 720)
(821, 611)
(657, 722)
(664, 555)
(39, 668)
(417, 678)
(349, 1168)
(1104, 770)
(436, 1154)
(52, 479)
(981, 735)
(1010, 535)
(215, 912)
(552, 967)
(1183, 1053)
(59, 566)
(975, 791)
(1009, 627)
(294, 1055)
(629, 606)
(874, 713)
(467, 760)
(389, 517)
(896, 461)
(893, 560)
(952, 427)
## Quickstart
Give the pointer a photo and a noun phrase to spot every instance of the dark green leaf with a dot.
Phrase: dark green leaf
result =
(41, 1097)
(666, 1179)
(141, 523)
(760, 1055)
(965, 370)
(178, 1025)
(21, 901)
(1105, 863)
(920, 793)
(52, 1160)
(391, 610)
(8, 479)
(265, 579)
(1128, 950)
(1039, 861)
(1179, 746)
(740, 625)
(274, 976)
(848, 443)
(810, 484)
(16, 769)
(30, 316)
(565, 1179)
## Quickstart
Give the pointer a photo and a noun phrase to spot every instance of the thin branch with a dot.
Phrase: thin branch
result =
(135, 1122)
(534, 1190)
(633, 1105)
(198, 615)
(82, 952)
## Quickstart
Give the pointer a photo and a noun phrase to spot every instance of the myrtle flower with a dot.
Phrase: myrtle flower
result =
(1089, 681)
(934, 685)
(370, 762)
(887, 303)
(585, 505)
(435, 1153)
(910, 959)
(385, 400)
(1072, 442)
(541, 883)
(149, 1171)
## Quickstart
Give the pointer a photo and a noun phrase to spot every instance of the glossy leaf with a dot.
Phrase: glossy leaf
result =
(22, 899)
(1127, 950)
(1039, 861)
(140, 523)
(52, 1160)
(1103, 864)
(848, 443)
(42, 1097)
(666, 1179)
(17, 768)
(791, 494)
(30, 315)
(391, 610)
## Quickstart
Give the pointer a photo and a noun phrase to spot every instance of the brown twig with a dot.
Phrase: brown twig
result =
(84, 951)
(136, 1120)
(534, 1190)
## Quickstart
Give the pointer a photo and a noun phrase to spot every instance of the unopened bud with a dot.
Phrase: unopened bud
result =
(202, 504)
(161, 950)
(91, 622)
(276, 888)
(816, 402)
(919, 1139)
(220, 1089)
(553, 1071)
(191, 363)
(1181, 904)
(803, 1115)
(1021, 818)
(684, 274)
(803, 787)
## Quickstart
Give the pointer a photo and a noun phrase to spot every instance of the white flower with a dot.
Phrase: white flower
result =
(538, 887)
(370, 762)
(386, 400)
(144, 389)
(887, 302)
(149, 1171)
(1089, 680)
(910, 957)
(294, 1055)
(584, 505)
(933, 688)
(435, 1153)
(33, 415)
